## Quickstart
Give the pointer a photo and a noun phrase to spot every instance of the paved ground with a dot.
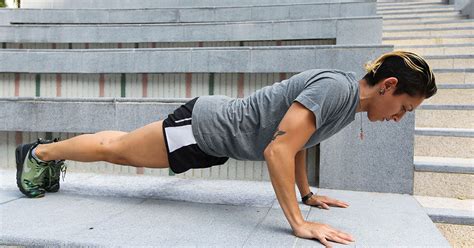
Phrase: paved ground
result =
(98, 210)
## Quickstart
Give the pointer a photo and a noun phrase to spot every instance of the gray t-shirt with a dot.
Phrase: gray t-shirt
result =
(241, 128)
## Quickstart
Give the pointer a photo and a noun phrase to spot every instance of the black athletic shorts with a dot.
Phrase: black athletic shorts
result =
(183, 152)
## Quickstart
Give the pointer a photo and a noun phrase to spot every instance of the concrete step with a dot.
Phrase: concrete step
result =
(422, 16)
(186, 15)
(445, 132)
(420, 40)
(454, 76)
(444, 177)
(451, 49)
(244, 59)
(457, 235)
(448, 210)
(444, 142)
(442, 184)
(325, 28)
(426, 6)
(413, 4)
(450, 61)
(147, 4)
(446, 116)
(453, 96)
(422, 12)
(427, 32)
(98, 210)
(453, 217)
(414, 20)
(422, 25)
(444, 165)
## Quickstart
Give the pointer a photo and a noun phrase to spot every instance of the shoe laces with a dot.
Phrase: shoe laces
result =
(52, 165)
(61, 163)
(62, 168)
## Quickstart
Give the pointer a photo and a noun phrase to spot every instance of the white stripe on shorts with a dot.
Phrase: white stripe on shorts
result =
(178, 121)
(178, 137)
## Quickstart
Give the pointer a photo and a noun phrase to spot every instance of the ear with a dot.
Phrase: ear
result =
(390, 83)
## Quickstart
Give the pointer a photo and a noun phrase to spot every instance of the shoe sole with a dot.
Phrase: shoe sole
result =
(20, 159)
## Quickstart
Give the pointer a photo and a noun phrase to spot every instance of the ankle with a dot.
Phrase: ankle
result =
(42, 153)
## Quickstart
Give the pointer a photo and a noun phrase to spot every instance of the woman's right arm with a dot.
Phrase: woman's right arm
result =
(293, 132)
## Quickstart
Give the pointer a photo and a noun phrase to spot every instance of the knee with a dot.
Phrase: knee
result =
(113, 152)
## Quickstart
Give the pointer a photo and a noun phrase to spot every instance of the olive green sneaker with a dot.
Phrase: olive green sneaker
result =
(30, 173)
(51, 179)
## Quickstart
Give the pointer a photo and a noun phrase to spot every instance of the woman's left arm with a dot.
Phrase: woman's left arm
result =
(301, 179)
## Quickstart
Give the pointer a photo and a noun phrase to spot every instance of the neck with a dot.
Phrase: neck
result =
(364, 96)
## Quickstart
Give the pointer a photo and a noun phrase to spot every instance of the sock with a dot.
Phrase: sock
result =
(34, 155)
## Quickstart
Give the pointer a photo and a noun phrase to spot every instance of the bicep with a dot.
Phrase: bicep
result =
(294, 130)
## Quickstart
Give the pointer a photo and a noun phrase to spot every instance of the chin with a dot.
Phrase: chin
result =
(370, 117)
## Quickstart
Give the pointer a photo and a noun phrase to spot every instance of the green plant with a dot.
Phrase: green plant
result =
(2, 4)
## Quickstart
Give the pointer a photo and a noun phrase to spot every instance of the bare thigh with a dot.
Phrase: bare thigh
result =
(143, 147)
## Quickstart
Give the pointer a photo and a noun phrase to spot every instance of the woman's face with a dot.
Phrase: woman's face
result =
(386, 106)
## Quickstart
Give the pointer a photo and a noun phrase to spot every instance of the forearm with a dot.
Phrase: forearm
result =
(300, 172)
(281, 167)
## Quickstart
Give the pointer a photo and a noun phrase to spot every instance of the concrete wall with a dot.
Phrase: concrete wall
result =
(465, 6)
(382, 162)
(174, 15)
(128, 4)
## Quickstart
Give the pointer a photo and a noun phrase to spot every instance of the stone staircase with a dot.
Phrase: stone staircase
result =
(444, 133)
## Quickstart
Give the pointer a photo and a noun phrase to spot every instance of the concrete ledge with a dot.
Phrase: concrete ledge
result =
(436, 46)
(430, 37)
(445, 107)
(132, 210)
(412, 11)
(345, 30)
(444, 165)
(415, 17)
(451, 216)
(235, 59)
(448, 210)
(127, 4)
(455, 86)
(401, 3)
(457, 56)
(172, 15)
(427, 29)
(432, 22)
(432, 6)
(471, 70)
(447, 132)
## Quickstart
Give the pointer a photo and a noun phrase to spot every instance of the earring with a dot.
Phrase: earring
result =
(381, 91)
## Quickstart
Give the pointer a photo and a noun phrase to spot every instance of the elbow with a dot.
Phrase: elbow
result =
(277, 151)
(270, 152)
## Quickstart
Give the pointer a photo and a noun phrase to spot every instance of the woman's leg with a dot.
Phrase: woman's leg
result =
(143, 147)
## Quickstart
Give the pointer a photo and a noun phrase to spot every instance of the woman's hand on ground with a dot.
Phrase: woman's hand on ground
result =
(322, 232)
(324, 202)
